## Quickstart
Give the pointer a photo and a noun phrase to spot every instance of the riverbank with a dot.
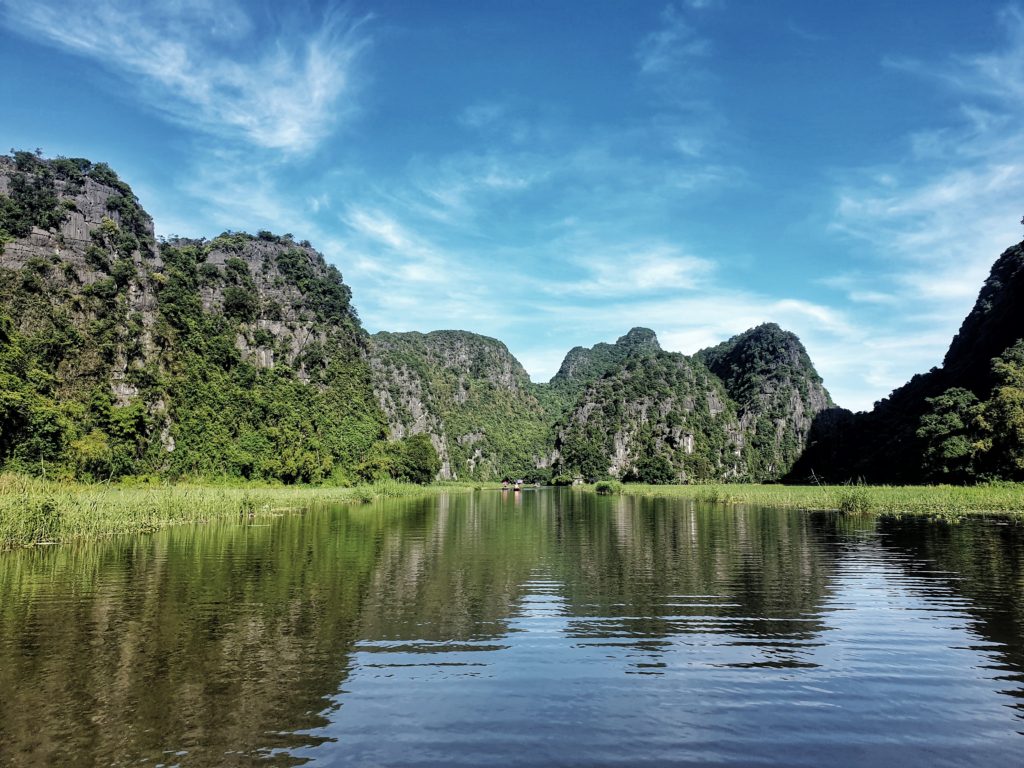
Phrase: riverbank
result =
(36, 511)
(948, 501)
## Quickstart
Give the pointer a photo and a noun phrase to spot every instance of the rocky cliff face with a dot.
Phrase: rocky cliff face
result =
(994, 325)
(582, 365)
(73, 242)
(468, 393)
(658, 417)
(769, 375)
(740, 411)
(240, 355)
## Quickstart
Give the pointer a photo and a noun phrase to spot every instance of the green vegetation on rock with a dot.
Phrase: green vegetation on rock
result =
(661, 417)
(235, 357)
(469, 394)
(242, 357)
(769, 375)
(582, 366)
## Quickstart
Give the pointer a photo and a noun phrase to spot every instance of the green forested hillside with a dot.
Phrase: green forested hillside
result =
(274, 384)
(243, 357)
(583, 365)
(769, 375)
(740, 411)
(239, 356)
(470, 395)
(658, 417)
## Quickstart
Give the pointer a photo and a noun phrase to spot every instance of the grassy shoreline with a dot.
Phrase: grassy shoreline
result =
(947, 501)
(36, 511)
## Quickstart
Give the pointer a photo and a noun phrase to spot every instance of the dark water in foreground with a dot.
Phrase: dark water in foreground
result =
(552, 629)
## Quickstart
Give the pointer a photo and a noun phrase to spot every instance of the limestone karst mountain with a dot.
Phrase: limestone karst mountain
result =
(739, 411)
(469, 394)
(237, 356)
(243, 356)
(778, 393)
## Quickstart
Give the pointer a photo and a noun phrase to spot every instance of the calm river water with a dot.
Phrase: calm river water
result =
(546, 628)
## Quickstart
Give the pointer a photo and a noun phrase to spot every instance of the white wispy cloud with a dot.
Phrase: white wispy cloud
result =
(236, 189)
(805, 34)
(630, 269)
(204, 64)
(674, 44)
(456, 188)
(483, 114)
(514, 119)
(937, 219)
(381, 228)
(997, 74)
(391, 251)
(954, 201)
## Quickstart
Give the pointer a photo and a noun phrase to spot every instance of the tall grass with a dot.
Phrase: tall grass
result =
(935, 500)
(35, 511)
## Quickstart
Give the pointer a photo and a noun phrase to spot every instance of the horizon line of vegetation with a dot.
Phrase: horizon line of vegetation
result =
(36, 511)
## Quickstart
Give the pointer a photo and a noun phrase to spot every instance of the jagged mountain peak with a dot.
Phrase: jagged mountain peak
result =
(582, 365)
(763, 345)
(639, 338)
(767, 372)
(467, 353)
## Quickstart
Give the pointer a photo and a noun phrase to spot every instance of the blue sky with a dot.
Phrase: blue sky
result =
(553, 173)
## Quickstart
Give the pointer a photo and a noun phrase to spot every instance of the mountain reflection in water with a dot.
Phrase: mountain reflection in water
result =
(545, 628)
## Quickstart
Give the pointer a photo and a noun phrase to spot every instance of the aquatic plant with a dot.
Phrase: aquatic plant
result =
(607, 487)
(37, 511)
(946, 501)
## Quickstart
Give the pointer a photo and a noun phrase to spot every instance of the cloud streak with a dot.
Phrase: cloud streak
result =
(206, 65)
(672, 45)
(936, 220)
(953, 203)
(635, 270)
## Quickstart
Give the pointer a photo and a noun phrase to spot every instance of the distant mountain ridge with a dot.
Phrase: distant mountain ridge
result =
(242, 356)
(739, 411)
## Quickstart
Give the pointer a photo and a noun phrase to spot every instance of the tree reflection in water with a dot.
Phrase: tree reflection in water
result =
(508, 627)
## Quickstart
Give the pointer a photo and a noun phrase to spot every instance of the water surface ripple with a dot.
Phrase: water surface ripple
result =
(534, 629)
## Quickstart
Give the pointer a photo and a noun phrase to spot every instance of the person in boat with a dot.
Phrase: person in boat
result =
(504, 484)
(519, 485)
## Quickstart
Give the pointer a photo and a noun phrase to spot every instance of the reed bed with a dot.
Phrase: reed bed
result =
(37, 511)
(945, 501)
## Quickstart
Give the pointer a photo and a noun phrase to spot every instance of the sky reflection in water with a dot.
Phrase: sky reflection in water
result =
(541, 629)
